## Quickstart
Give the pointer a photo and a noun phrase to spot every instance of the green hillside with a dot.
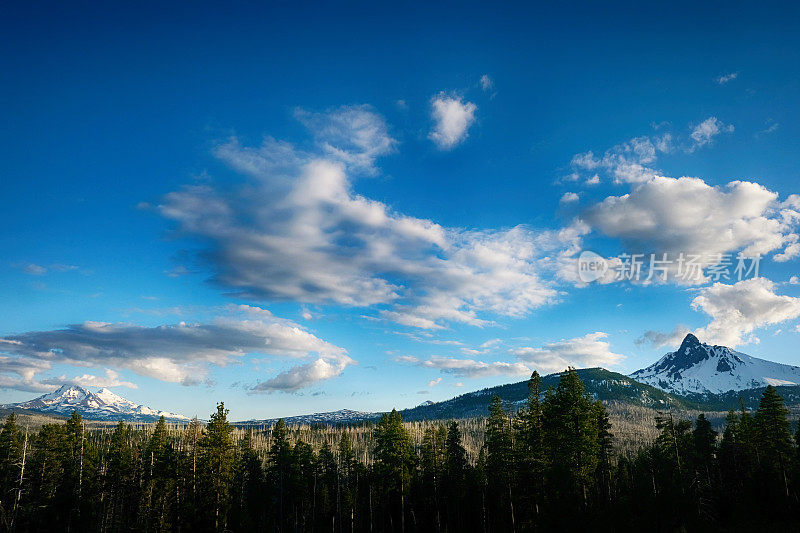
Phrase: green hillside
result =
(599, 382)
(603, 385)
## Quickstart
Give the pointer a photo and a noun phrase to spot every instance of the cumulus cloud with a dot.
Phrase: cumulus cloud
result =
(302, 376)
(487, 84)
(591, 350)
(725, 78)
(469, 368)
(178, 353)
(452, 118)
(737, 310)
(434, 382)
(705, 132)
(667, 215)
(297, 232)
(569, 197)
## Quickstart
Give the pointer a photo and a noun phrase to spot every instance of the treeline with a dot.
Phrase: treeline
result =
(549, 466)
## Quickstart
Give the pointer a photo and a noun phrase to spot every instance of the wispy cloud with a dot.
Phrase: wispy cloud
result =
(355, 135)
(470, 368)
(704, 133)
(39, 270)
(634, 161)
(725, 78)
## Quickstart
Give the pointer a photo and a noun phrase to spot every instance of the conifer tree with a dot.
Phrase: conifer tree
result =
(217, 461)
(499, 471)
(570, 428)
(280, 460)
(393, 461)
(10, 454)
(774, 435)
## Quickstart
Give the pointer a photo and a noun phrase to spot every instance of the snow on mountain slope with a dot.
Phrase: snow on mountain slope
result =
(334, 417)
(100, 405)
(700, 368)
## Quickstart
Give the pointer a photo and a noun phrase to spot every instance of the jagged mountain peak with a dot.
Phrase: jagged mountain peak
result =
(696, 367)
(689, 341)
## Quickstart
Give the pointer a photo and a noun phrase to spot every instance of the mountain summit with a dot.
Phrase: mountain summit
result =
(100, 405)
(697, 367)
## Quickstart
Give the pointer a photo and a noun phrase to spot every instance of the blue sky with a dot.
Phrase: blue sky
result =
(304, 208)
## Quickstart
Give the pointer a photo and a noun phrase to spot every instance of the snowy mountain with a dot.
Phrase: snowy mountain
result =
(343, 416)
(698, 368)
(100, 405)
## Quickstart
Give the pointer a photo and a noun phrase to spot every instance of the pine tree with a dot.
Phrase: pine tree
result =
(605, 447)
(455, 477)
(393, 461)
(10, 454)
(774, 435)
(248, 485)
(349, 479)
(156, 452)
(704, 439)
(570, 428)
(217, 461)
(499, 464)
(119, 476)
(280, 460)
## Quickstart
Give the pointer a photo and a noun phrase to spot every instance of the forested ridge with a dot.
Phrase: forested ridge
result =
(549, 466)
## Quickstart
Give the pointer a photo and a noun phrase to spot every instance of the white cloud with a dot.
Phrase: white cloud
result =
(725, 78)
(569, 197)
(634, 161)
(487, 84)
(355, 135)
(110, 379)
(297, 232)
(469, 368)
(659, 339)
(773, 127)
(484, 348)
(434, 382)
(179, 353)
(34, 269)
(737, 310)
(452, 118)
(687, 215)
(305, 375)
(705, 132)
(591, 350)
(791, 251)
(794, 280)
(629, 162)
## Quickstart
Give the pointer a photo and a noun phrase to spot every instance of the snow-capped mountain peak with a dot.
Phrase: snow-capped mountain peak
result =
(100, 405)
(696, 367)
